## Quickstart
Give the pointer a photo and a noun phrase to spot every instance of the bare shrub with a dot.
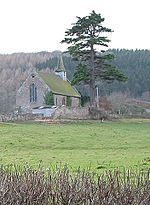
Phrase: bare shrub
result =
(62, 187)
(104, 103)
(118, 100)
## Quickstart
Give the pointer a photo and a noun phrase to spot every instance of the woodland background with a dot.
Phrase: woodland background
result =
(14, 68)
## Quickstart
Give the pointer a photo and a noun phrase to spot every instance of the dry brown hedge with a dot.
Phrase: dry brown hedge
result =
(62, 187)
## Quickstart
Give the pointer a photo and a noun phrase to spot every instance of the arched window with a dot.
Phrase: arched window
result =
(33, 93)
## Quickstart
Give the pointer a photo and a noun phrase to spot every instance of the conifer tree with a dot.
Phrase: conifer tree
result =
(85, 36)
(49, 98)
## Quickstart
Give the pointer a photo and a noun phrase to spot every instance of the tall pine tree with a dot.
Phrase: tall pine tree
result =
(83, 39)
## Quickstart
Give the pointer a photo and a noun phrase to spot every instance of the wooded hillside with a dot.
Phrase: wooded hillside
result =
(135, 64)
(14, 69)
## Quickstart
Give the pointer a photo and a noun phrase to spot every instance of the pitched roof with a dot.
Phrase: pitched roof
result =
(58, 85)
(60, 65)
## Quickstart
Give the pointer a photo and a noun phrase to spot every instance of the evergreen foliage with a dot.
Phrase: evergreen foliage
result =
(15, 68)
(49, 98)
(83, 37)
(68, 101)
(50, 63)
(134, 63)
(84, 99)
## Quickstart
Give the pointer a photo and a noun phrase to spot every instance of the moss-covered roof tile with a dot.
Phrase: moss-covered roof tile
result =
(58, 85)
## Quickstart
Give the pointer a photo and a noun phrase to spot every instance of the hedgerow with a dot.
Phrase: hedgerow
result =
(60, 186)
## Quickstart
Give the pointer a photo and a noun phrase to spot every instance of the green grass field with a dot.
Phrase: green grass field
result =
(87, 143)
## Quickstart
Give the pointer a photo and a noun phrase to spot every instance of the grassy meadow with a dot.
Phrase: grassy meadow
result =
(85, 144)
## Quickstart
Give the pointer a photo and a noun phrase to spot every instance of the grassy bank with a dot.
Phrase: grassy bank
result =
(86, 143)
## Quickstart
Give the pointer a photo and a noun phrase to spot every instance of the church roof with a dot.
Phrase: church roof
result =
(60, 65)
(58, 85)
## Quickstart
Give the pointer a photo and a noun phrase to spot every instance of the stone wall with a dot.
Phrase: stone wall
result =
(23, 94)
(71, 113)
(60, 100)
(75, 102)
(82, 113)
(15, 117)
(63, 112)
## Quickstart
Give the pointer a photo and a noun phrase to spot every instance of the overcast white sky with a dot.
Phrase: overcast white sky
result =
(39, 25)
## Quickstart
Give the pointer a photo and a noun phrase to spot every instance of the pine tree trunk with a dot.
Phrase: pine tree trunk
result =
(92, 81)
(92, 94)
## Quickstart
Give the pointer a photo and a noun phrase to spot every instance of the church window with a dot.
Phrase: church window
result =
(33, 93)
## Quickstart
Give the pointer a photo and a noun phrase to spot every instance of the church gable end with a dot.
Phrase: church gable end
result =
(31, 93)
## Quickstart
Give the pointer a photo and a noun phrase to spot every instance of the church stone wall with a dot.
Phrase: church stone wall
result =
(23, 103)
(60, 100)
(23, 94)
(75, 102)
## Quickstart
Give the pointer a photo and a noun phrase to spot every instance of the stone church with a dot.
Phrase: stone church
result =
(31, 93)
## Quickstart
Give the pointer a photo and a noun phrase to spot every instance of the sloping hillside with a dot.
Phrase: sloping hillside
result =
(14, 69)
